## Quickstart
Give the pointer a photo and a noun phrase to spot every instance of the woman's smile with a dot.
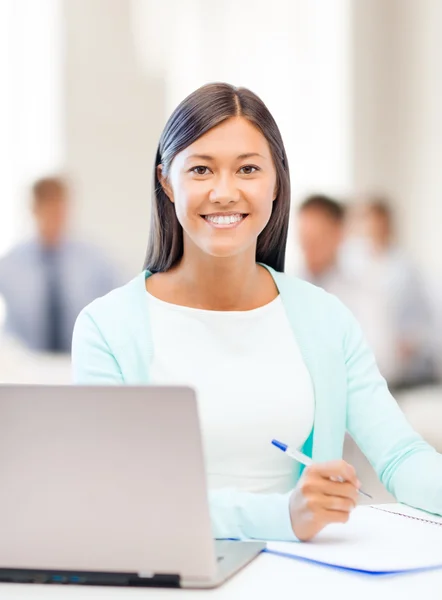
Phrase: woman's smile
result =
(228, 220)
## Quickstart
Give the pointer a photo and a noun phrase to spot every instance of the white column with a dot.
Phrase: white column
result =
(114, 116)
(31, 142)
(398, 118)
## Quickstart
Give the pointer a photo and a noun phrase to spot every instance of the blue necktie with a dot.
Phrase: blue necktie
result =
(54, 342)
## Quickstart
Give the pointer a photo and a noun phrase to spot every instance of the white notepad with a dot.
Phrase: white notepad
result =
(374, 541)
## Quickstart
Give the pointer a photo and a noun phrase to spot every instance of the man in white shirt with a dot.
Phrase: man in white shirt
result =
(401, 288)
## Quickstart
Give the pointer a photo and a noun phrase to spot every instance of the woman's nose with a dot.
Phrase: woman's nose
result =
(224, 191)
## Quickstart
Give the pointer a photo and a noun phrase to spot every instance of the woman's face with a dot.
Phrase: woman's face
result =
(223, 187)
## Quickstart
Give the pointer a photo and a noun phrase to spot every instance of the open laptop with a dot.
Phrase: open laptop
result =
(106, 486)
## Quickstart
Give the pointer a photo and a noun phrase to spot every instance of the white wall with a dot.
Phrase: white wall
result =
(31, 106)
(114, 114)
(397, 73)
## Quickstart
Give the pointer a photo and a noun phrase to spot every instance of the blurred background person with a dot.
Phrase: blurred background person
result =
(322, 228)
(46, 281)
(373, 249)
(320, 232)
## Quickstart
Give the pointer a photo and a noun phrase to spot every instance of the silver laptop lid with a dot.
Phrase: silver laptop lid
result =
(103, 479)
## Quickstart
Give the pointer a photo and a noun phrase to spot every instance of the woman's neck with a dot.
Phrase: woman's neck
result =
(236, 283)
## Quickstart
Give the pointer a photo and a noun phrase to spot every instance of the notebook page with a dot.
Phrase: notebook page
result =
(372, 541)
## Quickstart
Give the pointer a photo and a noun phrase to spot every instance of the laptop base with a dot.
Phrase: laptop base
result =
(232, 557)
(86, 578)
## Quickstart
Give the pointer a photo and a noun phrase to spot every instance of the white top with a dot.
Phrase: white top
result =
(252, 386)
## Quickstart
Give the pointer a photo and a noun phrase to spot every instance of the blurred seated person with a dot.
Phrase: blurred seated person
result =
(321, 231)
(46, 281)
(321, 234)
(406, 302)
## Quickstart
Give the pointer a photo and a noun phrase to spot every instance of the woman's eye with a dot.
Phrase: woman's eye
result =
(248, 170)
(200, 170)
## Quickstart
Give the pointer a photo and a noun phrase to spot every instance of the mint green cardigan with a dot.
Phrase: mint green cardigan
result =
(112, 345)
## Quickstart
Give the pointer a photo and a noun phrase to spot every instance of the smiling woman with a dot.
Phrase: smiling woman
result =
(230, 159)
(224, 204)
(270, 356)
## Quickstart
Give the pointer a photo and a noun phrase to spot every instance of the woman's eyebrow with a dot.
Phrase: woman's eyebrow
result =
(240, 157)
(250, 155)
(200, 156)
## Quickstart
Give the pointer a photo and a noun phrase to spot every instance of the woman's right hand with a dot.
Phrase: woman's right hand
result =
(326, 493)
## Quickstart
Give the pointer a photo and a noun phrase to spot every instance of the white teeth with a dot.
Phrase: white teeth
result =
(224, 220)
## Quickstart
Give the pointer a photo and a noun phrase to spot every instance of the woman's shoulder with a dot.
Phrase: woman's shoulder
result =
(113, 313)
(323, 310)
(114, 319)
(120, 297)
(304, 291)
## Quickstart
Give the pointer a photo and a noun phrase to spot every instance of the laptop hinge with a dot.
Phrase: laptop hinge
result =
(157, 580)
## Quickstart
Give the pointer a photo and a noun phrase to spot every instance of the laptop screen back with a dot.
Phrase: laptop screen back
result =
(103, 479)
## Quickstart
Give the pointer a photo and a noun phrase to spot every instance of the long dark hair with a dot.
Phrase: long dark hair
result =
(204, 109)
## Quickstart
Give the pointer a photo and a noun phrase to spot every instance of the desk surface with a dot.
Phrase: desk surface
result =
(267, 578)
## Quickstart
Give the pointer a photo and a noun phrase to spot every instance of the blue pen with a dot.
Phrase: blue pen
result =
(303, 459)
